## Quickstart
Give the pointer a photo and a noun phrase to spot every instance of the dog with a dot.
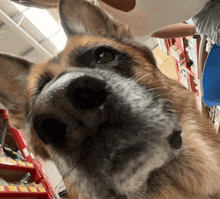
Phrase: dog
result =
(113, 124)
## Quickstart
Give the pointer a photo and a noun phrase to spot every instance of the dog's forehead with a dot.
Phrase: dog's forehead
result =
(61, 62)
(138, 52)
(76, 42)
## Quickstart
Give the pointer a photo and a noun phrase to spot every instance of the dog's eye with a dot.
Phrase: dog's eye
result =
(105, 57)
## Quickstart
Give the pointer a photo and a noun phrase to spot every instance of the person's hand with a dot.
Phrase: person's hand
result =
(175, 31)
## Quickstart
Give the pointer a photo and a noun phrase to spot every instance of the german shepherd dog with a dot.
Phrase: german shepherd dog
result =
(113, 124)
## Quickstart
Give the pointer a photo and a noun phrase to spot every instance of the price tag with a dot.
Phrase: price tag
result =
(26, 152)
(2, 188)
(1, 151)
(29, 164)
(12, 162)
(42, 189)
(21, 163)
(12, 188)
(23, 189)
(33, 189)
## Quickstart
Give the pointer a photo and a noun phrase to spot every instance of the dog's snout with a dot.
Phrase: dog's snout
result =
(87, 92)
(72, 98)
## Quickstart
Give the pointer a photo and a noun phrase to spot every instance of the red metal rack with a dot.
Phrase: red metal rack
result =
(31, 165)
(27, 192)
(181, 44)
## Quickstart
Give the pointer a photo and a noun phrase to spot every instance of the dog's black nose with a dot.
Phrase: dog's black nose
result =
(72, 99)
(87, 92)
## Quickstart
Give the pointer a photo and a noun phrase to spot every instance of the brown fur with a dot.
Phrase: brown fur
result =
(193, 174)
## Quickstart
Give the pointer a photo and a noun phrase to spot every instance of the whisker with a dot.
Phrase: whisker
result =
(141, 78)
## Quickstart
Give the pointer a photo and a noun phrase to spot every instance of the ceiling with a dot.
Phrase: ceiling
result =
(20, 36)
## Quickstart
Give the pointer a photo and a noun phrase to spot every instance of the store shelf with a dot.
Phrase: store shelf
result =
(30, 165)
(8, 163)
(21, 192)
(185, 52)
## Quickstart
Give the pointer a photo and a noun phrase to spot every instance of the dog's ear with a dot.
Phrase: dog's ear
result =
(37, 3)
(13, 87)
(83, 17)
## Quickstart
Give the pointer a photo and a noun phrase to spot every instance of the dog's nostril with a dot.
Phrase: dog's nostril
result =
(55, 126)
(87, 92)
(50, 129)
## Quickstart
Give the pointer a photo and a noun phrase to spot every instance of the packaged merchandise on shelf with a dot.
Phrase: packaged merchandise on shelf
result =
(214, 115)
(163, 45)
(19, 169)
(173, 48)
(3, 182)
(209, 45)
(190, 52)
(211, 114)
(217, 117)
(193, 68)
(184, 78)
(160, 55)
(13, 184)
(176, 53)
(185, 53)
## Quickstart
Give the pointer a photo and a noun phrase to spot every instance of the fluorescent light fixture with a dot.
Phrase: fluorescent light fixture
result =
(59, 39)
(46, 24)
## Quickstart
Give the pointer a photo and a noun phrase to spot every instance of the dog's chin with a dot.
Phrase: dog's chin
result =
(132, 180)
(119, 174)
(114, 169)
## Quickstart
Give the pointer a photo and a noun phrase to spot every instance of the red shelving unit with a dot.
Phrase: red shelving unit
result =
(25, 192)
(31, 165)
(183, 61)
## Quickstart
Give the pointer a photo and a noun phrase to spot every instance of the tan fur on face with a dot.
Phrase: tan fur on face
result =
(191, 173)
(196, 170)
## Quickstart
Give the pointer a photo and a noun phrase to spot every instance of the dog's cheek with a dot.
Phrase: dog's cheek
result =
(71, 190)
(16, 121)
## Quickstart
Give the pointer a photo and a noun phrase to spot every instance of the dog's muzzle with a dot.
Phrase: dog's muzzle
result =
(72, 95)
(108, 125)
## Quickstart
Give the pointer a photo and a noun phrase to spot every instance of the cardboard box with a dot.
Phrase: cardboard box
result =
(168, 68)
(160, 56)
(177, 54)
(173, 48)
